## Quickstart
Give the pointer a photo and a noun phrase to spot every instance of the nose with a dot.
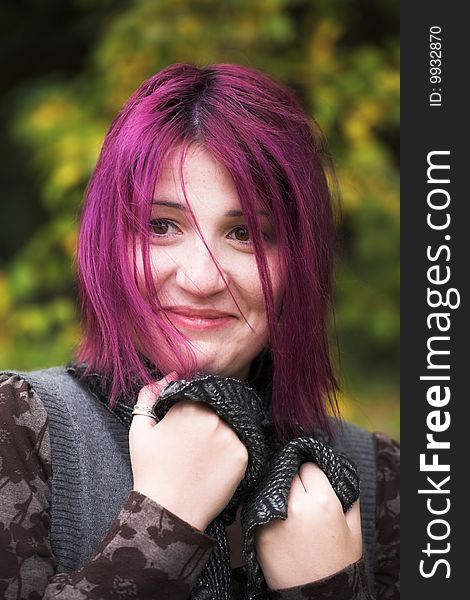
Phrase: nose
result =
(198, 274)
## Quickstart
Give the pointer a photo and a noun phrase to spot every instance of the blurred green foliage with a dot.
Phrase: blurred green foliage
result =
(341, 58)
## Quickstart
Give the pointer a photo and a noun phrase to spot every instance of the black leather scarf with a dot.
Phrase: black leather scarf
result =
(272, 465)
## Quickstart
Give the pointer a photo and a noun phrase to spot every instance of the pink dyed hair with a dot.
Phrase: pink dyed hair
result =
(275, 154)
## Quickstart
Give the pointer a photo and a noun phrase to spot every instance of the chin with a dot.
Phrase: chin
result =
(223, 370)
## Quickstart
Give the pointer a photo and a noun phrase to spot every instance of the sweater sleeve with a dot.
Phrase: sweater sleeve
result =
(387, 568)
(351, 582)
(148, 552)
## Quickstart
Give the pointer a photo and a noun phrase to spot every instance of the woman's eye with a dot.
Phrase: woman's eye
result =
(162, 227)
(241, 234)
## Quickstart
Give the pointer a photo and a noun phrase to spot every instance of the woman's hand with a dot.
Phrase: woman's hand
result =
(191, 462)
(316, 540)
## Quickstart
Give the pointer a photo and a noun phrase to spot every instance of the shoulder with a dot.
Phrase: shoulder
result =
(378, 457)
(21, 409)
(53, 389)
(388, 457)
(388, 474)
(385, 448)
(25, 487)
(387, 516)
(353, 440)
(385, 443)
(25, 393)
(24, 432)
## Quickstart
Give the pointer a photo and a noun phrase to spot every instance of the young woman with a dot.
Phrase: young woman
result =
(205, 249)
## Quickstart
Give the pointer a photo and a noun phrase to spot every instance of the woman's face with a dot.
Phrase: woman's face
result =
(189, 286)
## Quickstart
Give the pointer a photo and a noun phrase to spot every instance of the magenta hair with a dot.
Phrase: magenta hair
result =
(276, 155)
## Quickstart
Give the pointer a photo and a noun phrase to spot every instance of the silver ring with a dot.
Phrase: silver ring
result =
(147, 411)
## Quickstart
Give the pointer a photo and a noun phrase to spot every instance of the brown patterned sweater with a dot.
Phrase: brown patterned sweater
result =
(148, 553)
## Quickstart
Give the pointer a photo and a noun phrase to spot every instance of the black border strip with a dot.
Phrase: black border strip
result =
(434, 399)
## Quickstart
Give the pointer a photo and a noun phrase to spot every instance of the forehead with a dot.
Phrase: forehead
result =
(199, 171)
(206, 181)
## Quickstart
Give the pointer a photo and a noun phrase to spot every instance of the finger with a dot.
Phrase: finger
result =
(141, 422)
(149, 394)
(317, 484)
(353, 518)
(159, 386)
(297, 487)
(307, 478)
(314, 479)
(353, 521)
(147, 398)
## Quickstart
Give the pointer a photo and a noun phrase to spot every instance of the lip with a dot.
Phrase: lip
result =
(198, 319)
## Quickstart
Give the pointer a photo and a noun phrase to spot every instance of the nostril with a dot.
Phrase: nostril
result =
(200, 280)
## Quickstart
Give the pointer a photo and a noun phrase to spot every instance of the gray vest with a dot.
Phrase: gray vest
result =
(92, 477)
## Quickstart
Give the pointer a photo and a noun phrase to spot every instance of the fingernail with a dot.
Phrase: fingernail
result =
(168, 378)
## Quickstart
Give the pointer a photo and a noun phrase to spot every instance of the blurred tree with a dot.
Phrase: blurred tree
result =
(342, 59)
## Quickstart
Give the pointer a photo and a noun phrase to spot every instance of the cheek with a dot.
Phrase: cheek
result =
(277, 280)
(158, 269)
(249, 283)
(278, 292)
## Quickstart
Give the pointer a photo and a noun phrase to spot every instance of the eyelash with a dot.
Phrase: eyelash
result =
(157, 222)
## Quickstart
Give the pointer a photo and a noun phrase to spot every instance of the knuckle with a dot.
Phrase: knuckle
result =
(312, 473)
(324, 502)
(146, 396)
(209, 417)
(230, 437)
(230, 442)
(154, 389)
(226, 432)
(182, 406)
(353, 516)
(294, 507)
(201, 416)
(242, 454)
(151, 392)
(310, 468)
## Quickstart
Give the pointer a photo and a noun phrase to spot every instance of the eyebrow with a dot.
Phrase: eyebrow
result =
(170, 204)
(182, 207)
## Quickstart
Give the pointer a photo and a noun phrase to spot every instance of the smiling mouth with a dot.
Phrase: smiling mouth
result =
(198, 322)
